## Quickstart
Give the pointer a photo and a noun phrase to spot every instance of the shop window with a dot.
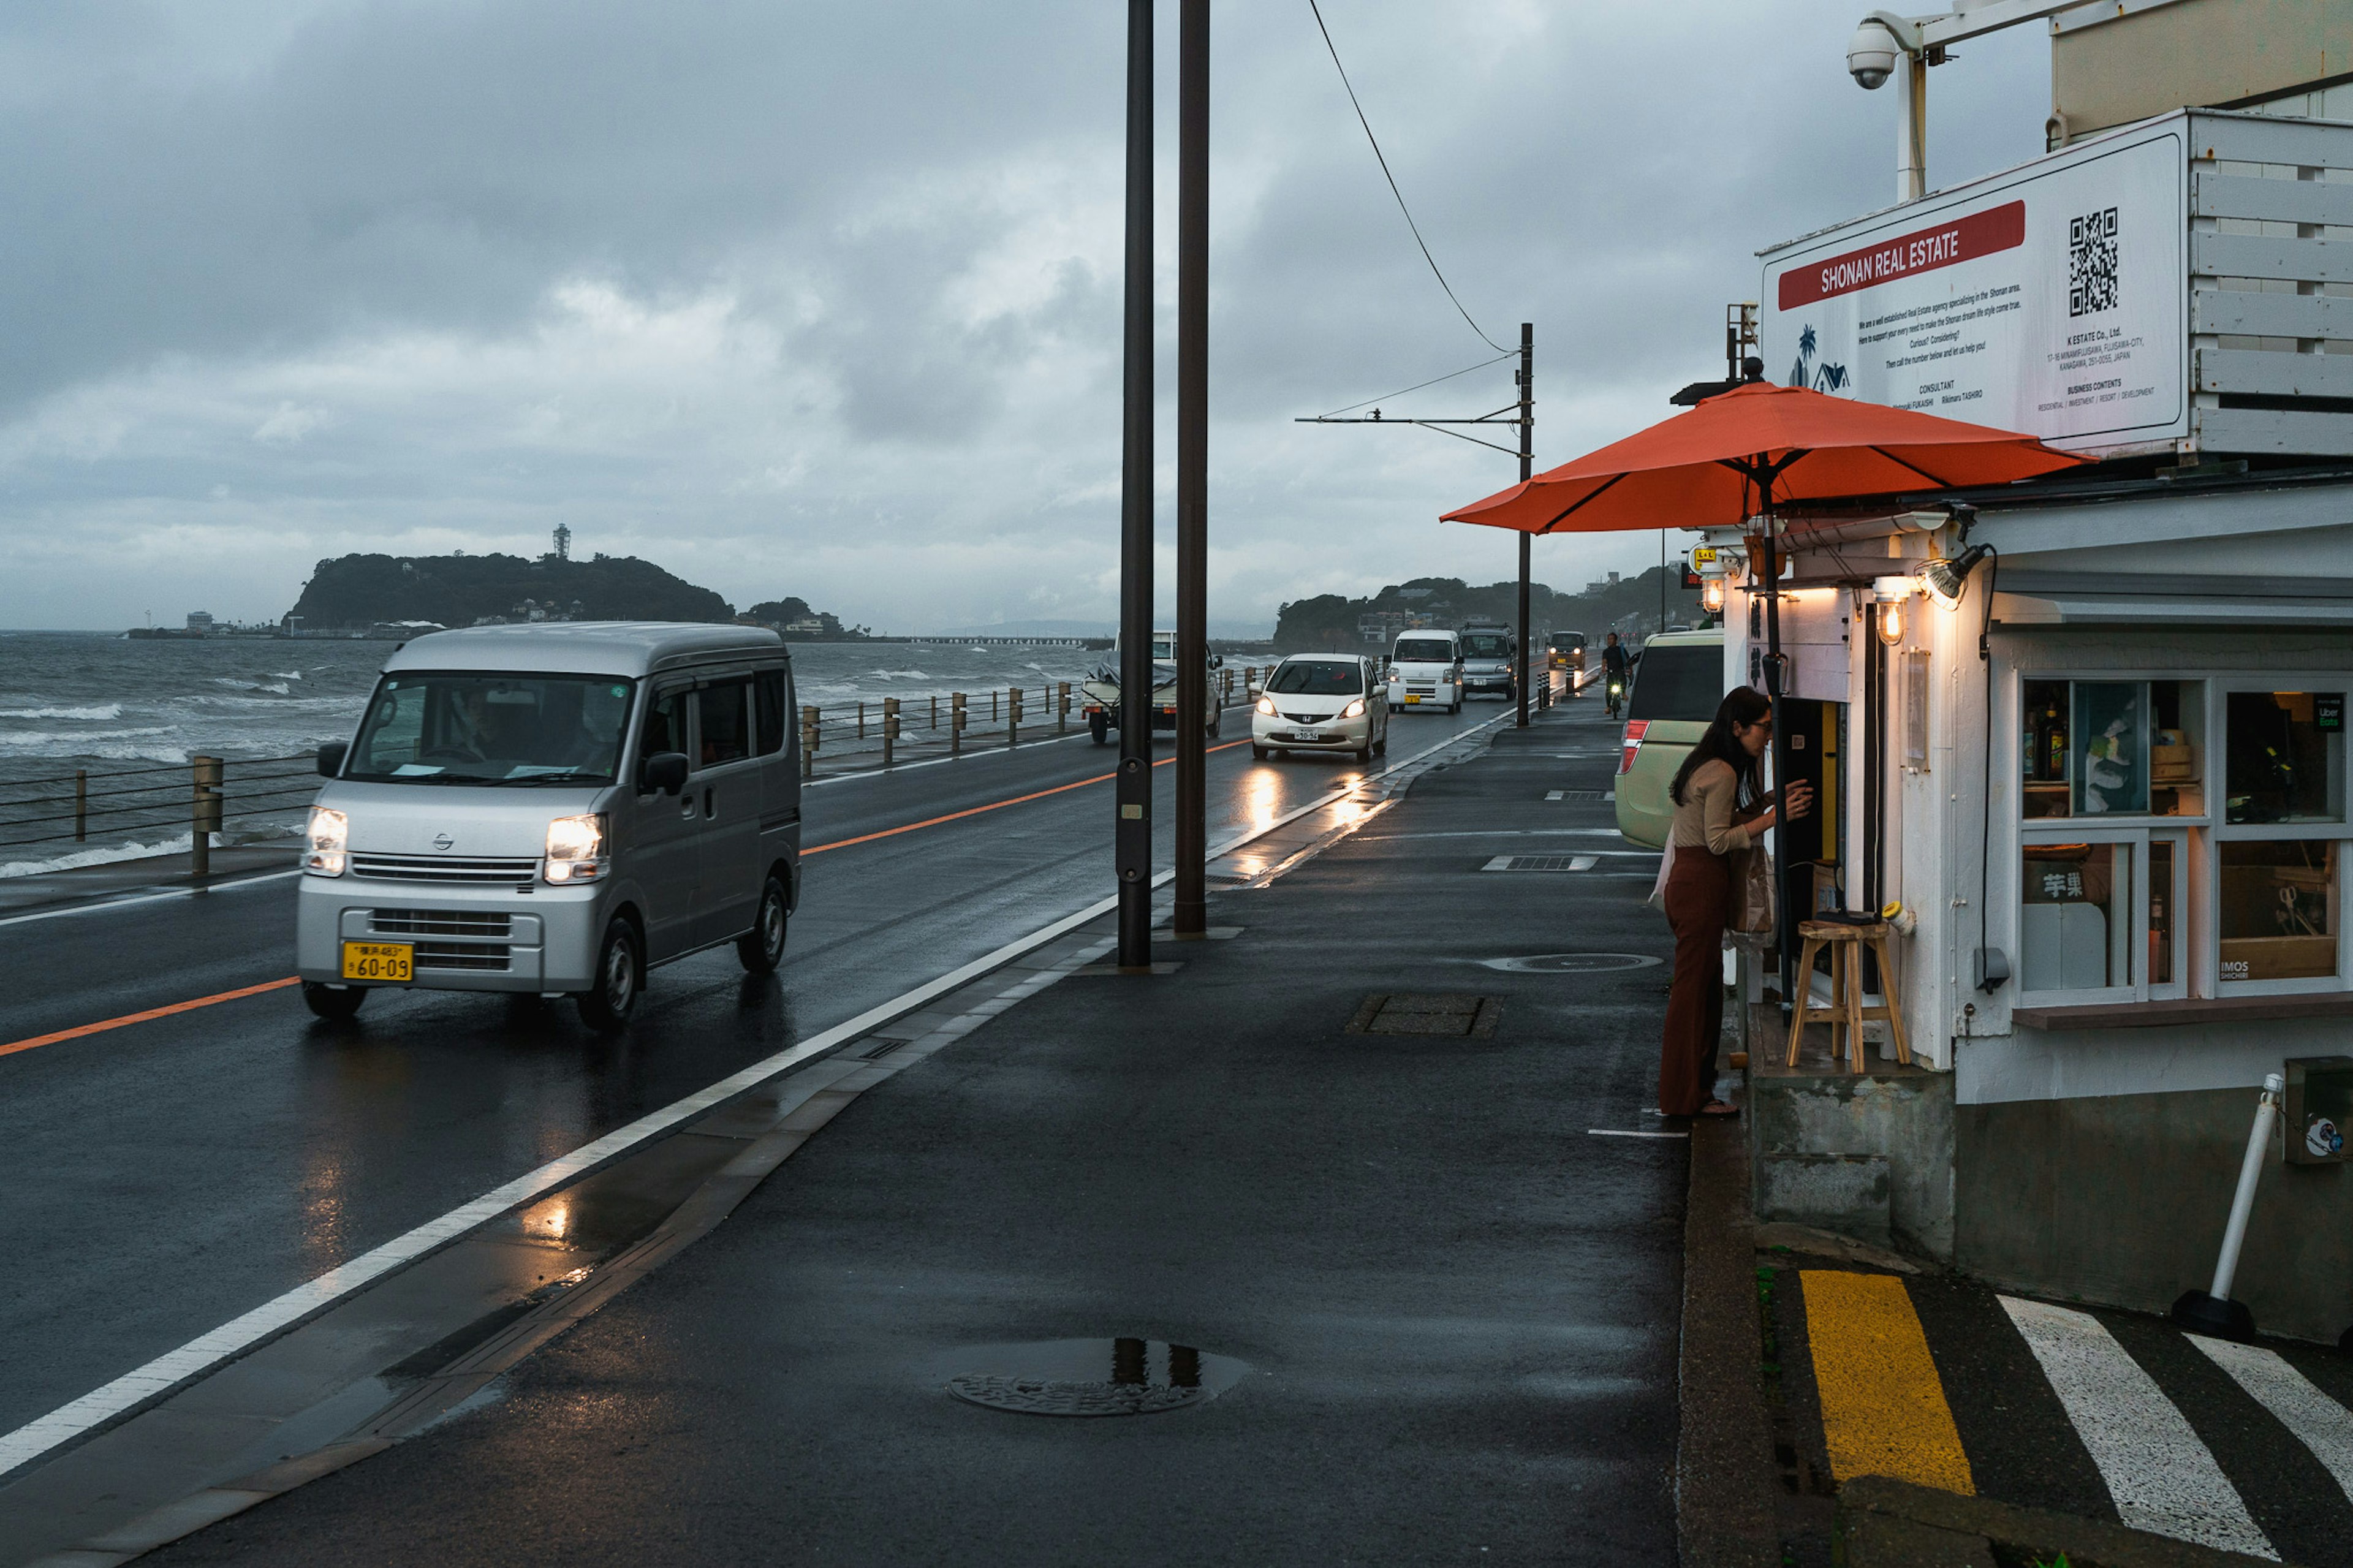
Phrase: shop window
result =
(2286, 756)
(2075, 920)
(2099, 920)
(2275, 908)
(2111, 748)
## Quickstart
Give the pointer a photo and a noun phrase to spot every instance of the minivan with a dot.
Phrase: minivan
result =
(1489, 653)
(1426, 670)
(554, 809)
(1678, 684)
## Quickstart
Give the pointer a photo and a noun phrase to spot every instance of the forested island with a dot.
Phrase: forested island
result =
(355, 594)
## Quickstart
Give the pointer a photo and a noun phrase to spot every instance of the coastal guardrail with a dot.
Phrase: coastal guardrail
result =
(52, 821)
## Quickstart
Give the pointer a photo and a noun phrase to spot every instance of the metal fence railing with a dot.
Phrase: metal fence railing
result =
(202, 796)
(52, 815)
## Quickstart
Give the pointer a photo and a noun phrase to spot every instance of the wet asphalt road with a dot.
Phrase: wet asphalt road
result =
(1458, 1305)
(164, 1177)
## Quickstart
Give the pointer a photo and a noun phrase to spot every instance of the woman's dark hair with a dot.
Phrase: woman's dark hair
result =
(1743, 706)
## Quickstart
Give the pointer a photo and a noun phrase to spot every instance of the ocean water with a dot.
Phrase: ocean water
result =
(117, 709)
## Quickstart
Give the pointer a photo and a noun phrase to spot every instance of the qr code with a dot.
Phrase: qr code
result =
(2092, 263)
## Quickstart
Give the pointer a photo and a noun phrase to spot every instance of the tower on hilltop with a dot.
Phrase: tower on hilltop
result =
(562, 541)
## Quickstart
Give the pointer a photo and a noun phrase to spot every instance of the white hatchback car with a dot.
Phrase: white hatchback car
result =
(1322, 702)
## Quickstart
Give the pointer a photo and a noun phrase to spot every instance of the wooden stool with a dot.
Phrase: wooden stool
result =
(1846, 1011)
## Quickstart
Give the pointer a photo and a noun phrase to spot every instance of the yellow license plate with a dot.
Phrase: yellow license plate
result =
(1413, 700)
(379, 960)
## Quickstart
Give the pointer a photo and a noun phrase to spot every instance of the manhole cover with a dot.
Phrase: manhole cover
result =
(1091, 1377)
(1542, 862)
(1570, 962)
(1452, 1017)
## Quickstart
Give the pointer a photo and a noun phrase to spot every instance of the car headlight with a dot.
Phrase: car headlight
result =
(328, 837)
(1355, 709)
(575, 849)
(1266, 705)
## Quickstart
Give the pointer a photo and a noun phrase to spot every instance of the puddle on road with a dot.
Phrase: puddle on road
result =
(1089, 1377)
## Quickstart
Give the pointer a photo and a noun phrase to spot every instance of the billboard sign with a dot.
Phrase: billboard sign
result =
(2053, 298)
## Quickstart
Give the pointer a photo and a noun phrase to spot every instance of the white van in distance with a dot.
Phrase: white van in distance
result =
(1426, 670)
(554, 810)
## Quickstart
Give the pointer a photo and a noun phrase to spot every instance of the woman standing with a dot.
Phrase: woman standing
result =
(1721, 810)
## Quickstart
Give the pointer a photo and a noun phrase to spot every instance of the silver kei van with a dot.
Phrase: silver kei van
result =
(554, 810)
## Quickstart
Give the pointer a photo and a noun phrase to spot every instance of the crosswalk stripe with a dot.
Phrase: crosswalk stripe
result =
(1884, 1410)
(2160, 1476)
(2317, 1421)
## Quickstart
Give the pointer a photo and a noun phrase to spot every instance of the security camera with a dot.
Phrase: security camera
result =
(1872, 54)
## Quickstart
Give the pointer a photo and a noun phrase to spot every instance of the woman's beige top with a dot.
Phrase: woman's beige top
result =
(1703, 821)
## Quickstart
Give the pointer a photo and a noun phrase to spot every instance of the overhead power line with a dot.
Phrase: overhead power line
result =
(1417, 386)
(1399, 194)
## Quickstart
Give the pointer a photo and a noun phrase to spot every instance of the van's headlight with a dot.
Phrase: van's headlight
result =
(1355, 709)
(328, 837)
(575, 849)
(1266, 705)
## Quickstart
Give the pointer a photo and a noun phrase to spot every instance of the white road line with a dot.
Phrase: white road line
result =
(1554, 794)
(1620, 1132)
(104, 905)
(272, 1318)
(2318, 1422)
(2161, 1476)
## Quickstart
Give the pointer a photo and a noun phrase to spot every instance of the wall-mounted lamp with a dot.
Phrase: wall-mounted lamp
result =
(1889, 593)
(1710, 596)
(1943, 581)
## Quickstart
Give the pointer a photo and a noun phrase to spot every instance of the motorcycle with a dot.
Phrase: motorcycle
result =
(1616, 696)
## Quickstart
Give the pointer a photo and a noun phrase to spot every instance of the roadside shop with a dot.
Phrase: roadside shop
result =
(2087, 732)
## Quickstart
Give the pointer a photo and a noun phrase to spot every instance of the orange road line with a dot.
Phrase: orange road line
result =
(76, 1033)
(993, 805)
(98, 1028)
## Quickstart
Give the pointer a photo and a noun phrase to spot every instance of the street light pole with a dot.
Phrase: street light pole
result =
(1132, 836)
(1192, 650)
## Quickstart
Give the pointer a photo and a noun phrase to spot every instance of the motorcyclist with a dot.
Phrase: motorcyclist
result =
(1613, 673)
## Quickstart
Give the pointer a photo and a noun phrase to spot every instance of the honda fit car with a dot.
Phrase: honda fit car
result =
(1322, 702)
(554, 810)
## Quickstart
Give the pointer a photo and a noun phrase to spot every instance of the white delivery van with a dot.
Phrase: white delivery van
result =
(1426, 671)
(554, 810)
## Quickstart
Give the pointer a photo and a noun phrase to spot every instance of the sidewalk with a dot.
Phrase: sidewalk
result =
(119, 879)
(1378, 1167)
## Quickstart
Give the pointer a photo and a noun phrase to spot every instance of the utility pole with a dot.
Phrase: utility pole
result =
(1132, 836)
(1521, 411)
(1192, 650)
(1527, 380)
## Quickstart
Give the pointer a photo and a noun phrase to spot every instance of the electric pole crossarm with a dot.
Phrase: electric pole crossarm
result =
(1437, 424)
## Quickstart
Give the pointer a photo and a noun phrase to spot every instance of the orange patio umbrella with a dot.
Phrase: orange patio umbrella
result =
(1732, 457)
(1734, 454)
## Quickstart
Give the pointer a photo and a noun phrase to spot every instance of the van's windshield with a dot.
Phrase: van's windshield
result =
(1487, 645)
(478, 728)
(1424, 651)
(1317, 678)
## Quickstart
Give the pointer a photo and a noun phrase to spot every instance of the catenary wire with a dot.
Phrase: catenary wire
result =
(1417, 386)
(1399, 194)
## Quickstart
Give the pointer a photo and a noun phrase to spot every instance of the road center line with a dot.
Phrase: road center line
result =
(104, 904)
(145, 1385)
(79, 1030)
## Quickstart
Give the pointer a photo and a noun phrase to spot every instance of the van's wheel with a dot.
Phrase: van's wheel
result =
(334, 1003)
(1099, 727)
(762, 948)
(620, 975)
(1258, 751)
(1216, 723)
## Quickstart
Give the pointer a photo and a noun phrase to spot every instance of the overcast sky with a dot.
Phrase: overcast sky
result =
(824, 298)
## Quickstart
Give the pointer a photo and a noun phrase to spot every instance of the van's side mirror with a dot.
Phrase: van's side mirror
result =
(664, 771)
(1217, 661)
(330, 758)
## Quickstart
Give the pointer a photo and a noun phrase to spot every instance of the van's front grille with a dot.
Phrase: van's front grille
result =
(1421, 689)
(445, 868)
(462, 955)
(440, 923)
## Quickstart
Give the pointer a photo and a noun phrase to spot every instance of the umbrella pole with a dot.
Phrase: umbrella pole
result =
(1784, 927)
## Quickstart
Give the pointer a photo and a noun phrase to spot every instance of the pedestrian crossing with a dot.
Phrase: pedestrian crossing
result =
(1943, 1383)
